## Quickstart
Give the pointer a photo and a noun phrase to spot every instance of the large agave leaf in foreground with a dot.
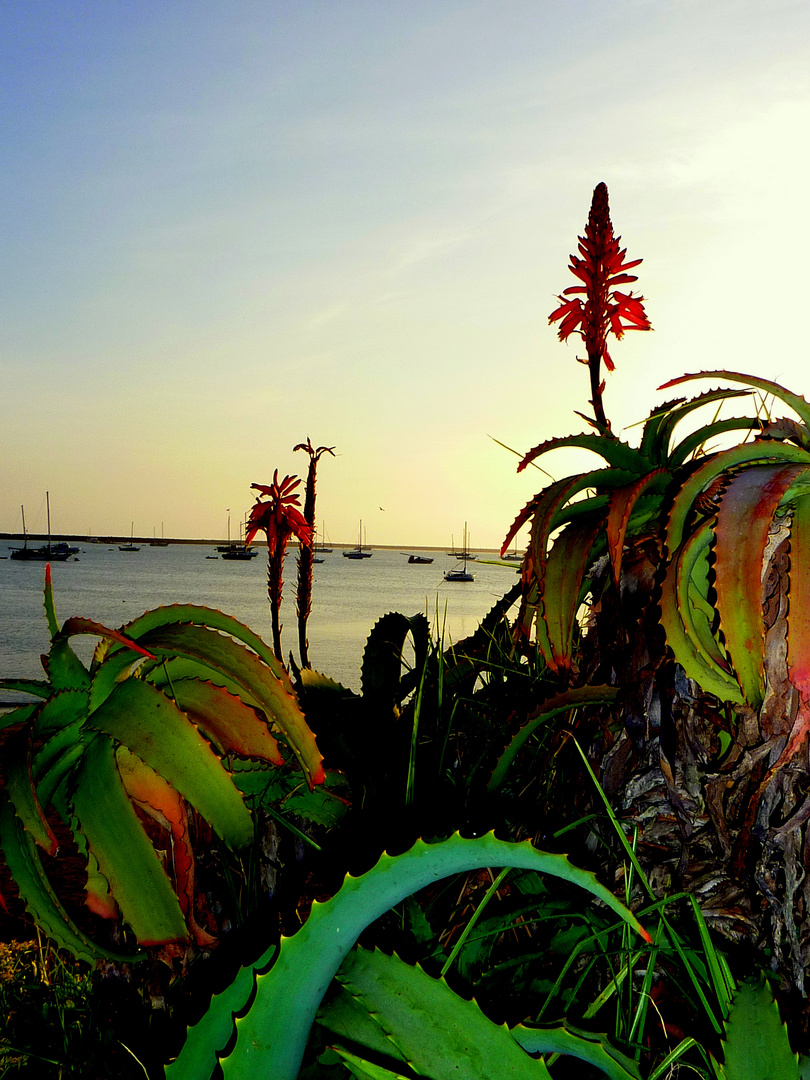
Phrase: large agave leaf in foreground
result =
(271, 1036)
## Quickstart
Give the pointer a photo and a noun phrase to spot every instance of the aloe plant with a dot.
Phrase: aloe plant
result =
(149, 728)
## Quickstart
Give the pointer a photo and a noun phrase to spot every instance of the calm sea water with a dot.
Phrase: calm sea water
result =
(113, 587)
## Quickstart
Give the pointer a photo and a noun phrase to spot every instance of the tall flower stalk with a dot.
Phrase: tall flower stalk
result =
(279, 518)
(605, 310)
(306, 554)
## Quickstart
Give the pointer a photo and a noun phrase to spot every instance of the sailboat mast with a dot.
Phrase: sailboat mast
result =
(48, 514)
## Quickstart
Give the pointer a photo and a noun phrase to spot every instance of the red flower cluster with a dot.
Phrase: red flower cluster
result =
(601, 268)
(278, 517)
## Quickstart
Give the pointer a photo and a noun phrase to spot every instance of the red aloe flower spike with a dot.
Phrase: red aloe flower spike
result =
(605, 310)
(279, 519)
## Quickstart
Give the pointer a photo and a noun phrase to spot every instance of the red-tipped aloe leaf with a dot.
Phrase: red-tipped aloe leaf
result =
(798, 658)
(622, 503)
(125, 856)
(75, 626)
(746, 511)
(570, 557)
(269, 693)
(147, 722)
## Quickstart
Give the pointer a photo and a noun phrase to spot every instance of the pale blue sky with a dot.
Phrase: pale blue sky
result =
(228, 226)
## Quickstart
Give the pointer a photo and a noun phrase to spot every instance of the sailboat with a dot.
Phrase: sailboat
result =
(131, 546)
(234, 552)
(465, 553)
(49, 552)
(359, 552)
(322, 548)
(154, 542)
(462, 574)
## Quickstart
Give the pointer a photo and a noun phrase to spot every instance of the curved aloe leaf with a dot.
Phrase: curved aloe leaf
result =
(657, 437)
(125, 856)
(571, 556)
(746, 509)
(686, 642)
(23, 861)
(22, 790)
(551, 707)
(794, 401)
(798, 658)
(420, 1022)
(757, 452)
(225, 719)
(151, 725)
(381, 672)
(618, 454)
(34, 687)
(699, 616)
(622, 504)
(698, 439)
(273, 1034)
(256, 678)
(587, 1046)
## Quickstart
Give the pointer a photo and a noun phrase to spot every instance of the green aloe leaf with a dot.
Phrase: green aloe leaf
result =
(588, 1046)
(225, 719)
(551, 707)
(122, 849)
(22, 790)
(381, 672)
(365, 1070)
(420, 1022)
(22, 859)
(679, 617)
(794, 401)
(756, 1042)
(273, 1034)
(270, 693)
(34, 687)
(151, 726)
(660, 427)
(746, 509)
(618, 454)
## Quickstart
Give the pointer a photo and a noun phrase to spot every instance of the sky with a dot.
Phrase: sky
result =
(230, 226)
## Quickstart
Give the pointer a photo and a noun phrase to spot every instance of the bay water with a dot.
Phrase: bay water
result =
(113, 587)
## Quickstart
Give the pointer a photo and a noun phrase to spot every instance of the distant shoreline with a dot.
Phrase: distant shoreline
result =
(41, 538)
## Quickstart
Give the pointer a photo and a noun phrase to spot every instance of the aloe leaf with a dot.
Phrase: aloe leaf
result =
(381, 671)
(757, 452)
(677, 619)
(34, 687)
(422, 1023)
(21, 715)
(365, 1070)
(586, 1046)
(571, 556)
(78, 625)
(124, 854)
(794, 401)
(622, 504)
(671, 415)
(699, 438)
(24, 864)
(210, 1035)
(271, 693)
(65, 670)
(50, 610)
(756, 1042)
(618, 454)
(551, 707)
(746, 509)
(225, 719)
(273, 1034)
(697, 613)
(61, 710)
(56, 758)
(151, 725)
(22, 790)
